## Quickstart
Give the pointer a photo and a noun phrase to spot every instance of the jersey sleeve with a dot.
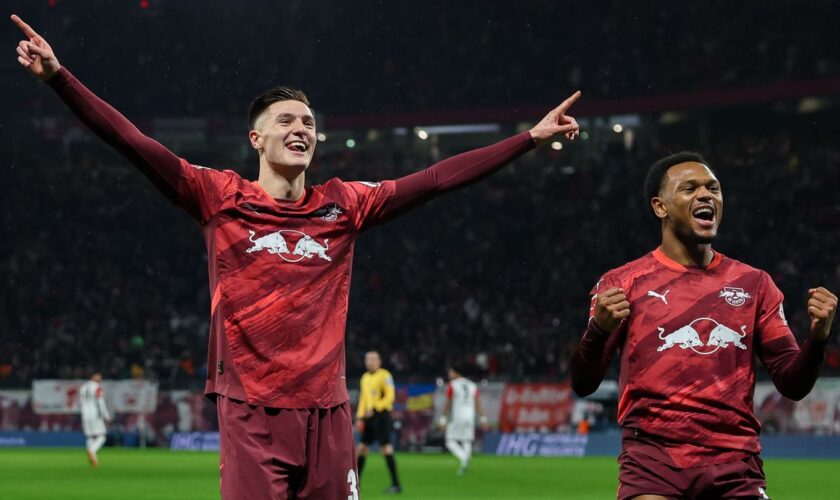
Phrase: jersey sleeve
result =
(174, 177)
(364, 391)
(204, 190)
(771, 324)
(388, 392)
(794, 370)
(597, 348)
(449, 390)
(367, 202)
(100, 403)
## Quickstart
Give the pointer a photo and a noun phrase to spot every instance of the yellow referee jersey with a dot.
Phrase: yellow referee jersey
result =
(376, 392)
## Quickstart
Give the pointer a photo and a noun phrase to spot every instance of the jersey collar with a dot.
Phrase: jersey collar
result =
(666, 261)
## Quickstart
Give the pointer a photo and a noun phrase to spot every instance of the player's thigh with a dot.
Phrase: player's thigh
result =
(640, 477)
(737, 479)
(331, 470)
(262, 450)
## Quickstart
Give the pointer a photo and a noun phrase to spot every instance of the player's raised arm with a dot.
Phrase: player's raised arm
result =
(466, 168)
(154, 160)
(794, 369)
(592, 358)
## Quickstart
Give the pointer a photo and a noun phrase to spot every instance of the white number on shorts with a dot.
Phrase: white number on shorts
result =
(354, 492)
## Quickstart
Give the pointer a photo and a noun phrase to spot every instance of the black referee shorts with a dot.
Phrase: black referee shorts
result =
(378, 428)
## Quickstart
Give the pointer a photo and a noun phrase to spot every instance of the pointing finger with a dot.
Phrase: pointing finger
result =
(27, 30)
(568, 102)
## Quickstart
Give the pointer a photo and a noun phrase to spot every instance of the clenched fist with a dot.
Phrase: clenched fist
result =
(822, 305)
(611, 308)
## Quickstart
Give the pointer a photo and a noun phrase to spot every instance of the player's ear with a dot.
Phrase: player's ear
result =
(256, 139)
(658, 206)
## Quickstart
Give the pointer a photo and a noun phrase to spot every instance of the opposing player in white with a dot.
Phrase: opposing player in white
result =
(459, 411)
(94, 415)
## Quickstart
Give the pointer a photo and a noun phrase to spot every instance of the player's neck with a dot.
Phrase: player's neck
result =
(687, 254)
(282, 184)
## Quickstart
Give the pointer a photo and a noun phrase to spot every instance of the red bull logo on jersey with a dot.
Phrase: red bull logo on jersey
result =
(734, 296)
(688, 337)
(277, 243)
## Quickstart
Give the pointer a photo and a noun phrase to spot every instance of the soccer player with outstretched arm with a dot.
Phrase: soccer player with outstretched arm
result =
(279, 262)
(688, 322)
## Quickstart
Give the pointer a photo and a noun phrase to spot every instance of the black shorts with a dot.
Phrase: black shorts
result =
(378, 428)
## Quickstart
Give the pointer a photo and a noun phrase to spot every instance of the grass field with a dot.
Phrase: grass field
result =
(125, 474)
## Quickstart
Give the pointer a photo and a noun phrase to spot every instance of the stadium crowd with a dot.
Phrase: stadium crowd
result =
(100, 272)
(410, 56)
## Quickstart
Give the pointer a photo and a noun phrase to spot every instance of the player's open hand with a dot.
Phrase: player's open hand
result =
(557, 122)
(611, 308)
(35, 54)
(822, 305)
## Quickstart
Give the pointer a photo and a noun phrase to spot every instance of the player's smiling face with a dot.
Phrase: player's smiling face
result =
(285, 134)
(690, 202)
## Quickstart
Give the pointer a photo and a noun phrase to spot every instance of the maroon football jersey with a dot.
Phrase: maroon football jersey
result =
(280, 276)
(687, 353)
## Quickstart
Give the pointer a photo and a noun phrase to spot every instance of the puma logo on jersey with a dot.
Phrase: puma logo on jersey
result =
(651, 293)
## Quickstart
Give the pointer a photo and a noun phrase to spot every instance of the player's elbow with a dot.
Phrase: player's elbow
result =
(795, 392)
(583, 386)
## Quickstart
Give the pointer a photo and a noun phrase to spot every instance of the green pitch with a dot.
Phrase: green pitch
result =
(53, 474)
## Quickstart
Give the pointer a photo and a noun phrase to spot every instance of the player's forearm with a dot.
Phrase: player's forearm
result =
(590, 360)
(456, 172)
(794, 370)
(157, 162)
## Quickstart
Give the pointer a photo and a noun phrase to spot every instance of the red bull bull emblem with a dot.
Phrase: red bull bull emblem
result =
(734, 296)
(277, 243)
(688, 337)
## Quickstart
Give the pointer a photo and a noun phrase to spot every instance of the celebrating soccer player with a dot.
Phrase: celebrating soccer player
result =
(279, 259)
(688, 322)
(373, 416)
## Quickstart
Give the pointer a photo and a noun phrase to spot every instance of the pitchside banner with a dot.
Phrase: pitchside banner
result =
(536, 408)
(121, 396)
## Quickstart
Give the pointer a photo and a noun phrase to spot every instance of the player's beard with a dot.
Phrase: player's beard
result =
(702, 239)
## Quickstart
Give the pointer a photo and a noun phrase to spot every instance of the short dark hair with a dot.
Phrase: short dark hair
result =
(656, 173)
(269, 97)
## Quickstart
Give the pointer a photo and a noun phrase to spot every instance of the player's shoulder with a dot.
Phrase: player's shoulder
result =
(730, 263)
(731, 269)
(221, 178)
(644, 264)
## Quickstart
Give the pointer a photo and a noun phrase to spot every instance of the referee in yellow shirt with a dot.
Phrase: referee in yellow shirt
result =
(376, 400)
